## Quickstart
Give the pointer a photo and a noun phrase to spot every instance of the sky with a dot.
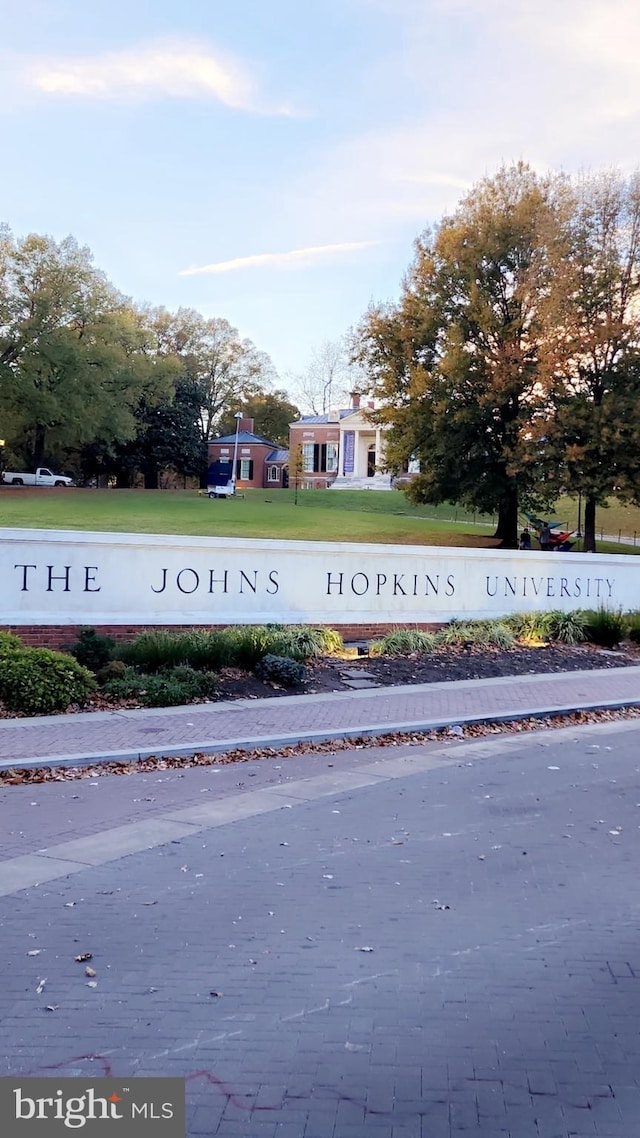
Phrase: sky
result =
(272, 161)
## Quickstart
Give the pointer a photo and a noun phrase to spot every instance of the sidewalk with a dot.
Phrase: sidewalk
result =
(217, 727)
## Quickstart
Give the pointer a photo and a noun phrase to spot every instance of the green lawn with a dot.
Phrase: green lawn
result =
(320, 515)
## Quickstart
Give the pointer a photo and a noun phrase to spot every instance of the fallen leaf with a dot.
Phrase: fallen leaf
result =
(69, 904)
(52, 1007)
(92, 984)
(40, 988)
(84, 956)
(90, 972)
(214, 993)
(364, 948)
(34, 952)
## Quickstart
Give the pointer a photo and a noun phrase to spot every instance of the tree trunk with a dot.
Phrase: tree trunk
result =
(507, 528)
(123, 479)
(151, 478)
(589, 544)
(38, 446)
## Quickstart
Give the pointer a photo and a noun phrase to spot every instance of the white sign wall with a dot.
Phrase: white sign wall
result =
(58, 577)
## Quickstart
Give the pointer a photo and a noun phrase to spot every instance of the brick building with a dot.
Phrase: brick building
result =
(260, 464)
(342, 449)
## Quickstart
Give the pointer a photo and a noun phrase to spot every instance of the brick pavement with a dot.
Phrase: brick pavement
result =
(219, 726)
(498, 894)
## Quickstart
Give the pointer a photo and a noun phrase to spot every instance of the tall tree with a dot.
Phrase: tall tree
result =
(592, 429)
(72, 358)
(225, 369)
(461, 362)
(272, 412)
(167, 439)
(329, 378)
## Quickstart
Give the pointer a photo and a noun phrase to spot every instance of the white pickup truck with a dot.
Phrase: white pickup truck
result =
(42, 477)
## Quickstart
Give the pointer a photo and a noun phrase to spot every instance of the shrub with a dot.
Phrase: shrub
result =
(567, 627)
(154, 650)
(605, 627)
(176, 686)
(633, 626)
(196, 684)
(92, 650)
(206, 650)
(301, 642)
(114, 670)
(241, 646)
(248, 643)
(160, 691)
(456, 632)
(532, 627)
(169, 688)
(280, 670)
(403, 642)
(10, 643)
(38, 680)
(128, 685)
(483, 633)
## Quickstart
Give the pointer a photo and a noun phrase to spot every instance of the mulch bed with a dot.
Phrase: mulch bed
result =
(444, 664)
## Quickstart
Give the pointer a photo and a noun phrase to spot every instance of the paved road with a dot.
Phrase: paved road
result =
(425, 943)
(221, 726)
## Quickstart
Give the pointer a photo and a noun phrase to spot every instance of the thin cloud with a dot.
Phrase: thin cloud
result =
(294, 259)
(176, 70)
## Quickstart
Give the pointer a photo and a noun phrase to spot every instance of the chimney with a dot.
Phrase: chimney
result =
(246, 425)
(355, 400)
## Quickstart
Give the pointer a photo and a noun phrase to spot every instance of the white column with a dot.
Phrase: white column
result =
(378, 448)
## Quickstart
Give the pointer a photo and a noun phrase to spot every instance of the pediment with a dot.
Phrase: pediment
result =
(358, 422)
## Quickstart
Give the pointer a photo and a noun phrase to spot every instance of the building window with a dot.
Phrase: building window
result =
(273, 474)
(244, 472)
(319, 458)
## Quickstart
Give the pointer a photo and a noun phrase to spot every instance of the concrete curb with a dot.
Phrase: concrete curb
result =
(250, 743)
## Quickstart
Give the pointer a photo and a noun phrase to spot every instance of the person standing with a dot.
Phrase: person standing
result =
(545, 537)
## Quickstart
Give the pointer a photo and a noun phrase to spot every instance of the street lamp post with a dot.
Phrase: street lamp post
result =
(579, 531)
(237, 417)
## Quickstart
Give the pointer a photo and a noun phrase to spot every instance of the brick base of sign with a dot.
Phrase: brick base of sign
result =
(60, 636)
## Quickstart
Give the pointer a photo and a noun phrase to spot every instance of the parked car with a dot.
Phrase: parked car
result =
(42, 477)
